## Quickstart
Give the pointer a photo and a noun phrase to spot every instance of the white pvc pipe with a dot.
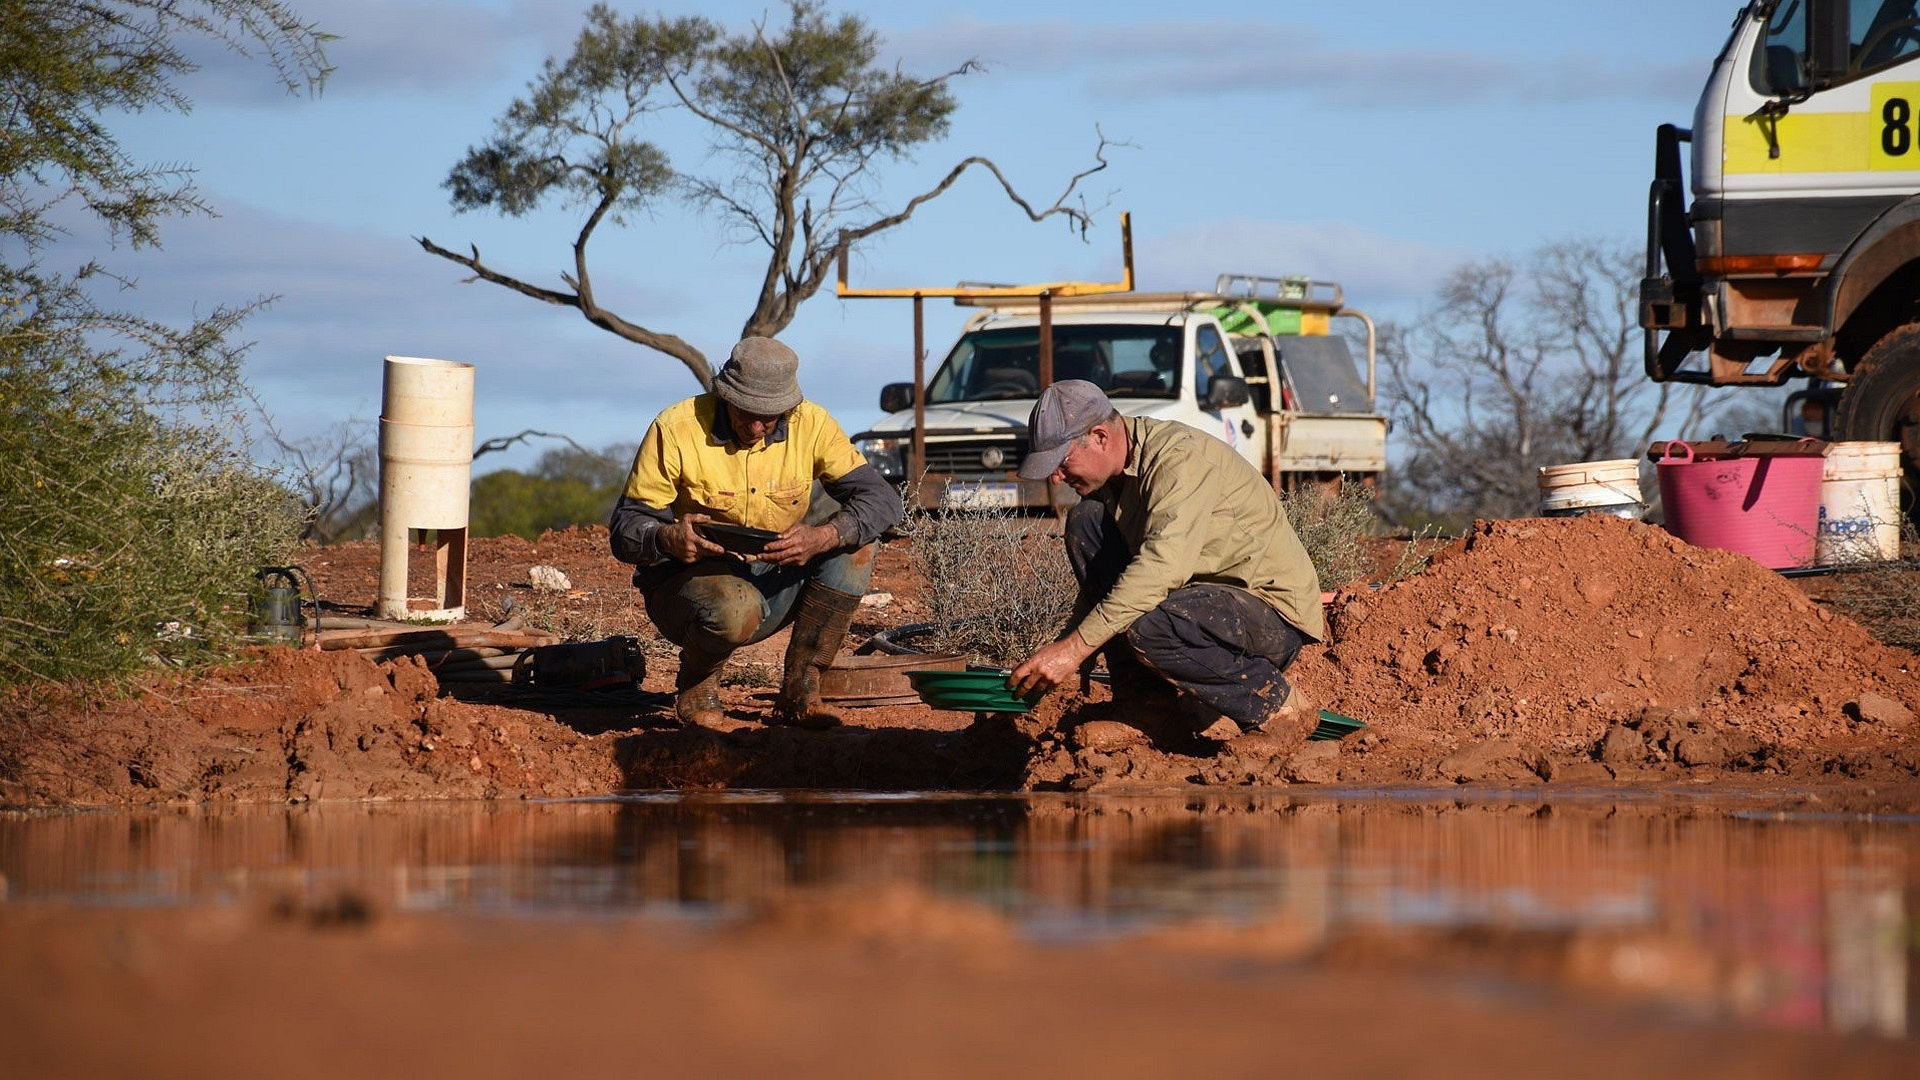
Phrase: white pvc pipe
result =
(426, 476)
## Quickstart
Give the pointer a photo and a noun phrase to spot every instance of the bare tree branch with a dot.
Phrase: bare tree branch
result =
(818, 264)
(1519, 366)
(681, 350)
(505, 442)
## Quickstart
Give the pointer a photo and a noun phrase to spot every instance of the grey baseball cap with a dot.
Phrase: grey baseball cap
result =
(1066, 410)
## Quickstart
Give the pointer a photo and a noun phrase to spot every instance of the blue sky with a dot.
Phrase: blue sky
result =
(1377, 143)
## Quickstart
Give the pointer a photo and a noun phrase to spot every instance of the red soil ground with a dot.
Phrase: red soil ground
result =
(1576, 651)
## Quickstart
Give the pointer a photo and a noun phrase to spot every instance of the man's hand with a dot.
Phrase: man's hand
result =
(801, 544)
(1051, 666)
(682, 541)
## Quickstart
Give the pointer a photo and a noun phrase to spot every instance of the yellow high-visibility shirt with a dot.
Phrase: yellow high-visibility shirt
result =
(684, 466)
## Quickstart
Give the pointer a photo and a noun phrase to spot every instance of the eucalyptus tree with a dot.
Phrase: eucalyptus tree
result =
(797, 121)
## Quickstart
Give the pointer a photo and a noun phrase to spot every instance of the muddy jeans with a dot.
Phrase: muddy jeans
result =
(717, 605)
(1221, 649)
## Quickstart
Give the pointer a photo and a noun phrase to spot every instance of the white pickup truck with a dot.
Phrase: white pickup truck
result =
(1253, 362)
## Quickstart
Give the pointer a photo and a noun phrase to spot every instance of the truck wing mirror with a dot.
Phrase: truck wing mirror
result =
(896, 397)
(1225, 392)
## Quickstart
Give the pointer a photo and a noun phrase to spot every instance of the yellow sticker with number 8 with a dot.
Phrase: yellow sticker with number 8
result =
(1894, 127)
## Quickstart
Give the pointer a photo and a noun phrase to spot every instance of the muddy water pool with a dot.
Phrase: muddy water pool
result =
(1716, 907)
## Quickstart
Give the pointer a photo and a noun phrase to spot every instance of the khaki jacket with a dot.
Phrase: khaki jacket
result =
(1193, 511)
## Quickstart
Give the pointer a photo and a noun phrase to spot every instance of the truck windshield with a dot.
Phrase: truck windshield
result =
(1125, 360)
(1877, 34)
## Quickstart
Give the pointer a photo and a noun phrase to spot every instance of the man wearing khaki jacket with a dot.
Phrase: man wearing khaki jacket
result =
(1191, 577)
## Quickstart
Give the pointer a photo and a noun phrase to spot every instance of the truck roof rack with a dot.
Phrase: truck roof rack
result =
(1279, 289)
(1269, 292)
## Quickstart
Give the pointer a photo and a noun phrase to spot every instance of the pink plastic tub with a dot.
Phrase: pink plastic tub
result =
(1763, 506)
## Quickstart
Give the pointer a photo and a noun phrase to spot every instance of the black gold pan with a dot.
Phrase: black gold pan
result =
(739, 539)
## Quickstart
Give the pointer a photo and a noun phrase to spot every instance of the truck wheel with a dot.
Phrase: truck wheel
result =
(1882, 401)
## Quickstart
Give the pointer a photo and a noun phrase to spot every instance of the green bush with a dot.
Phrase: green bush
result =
(134, 521)
(133, 518)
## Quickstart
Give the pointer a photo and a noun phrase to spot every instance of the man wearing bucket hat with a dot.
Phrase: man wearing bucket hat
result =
(749, 454)
(1191, 578)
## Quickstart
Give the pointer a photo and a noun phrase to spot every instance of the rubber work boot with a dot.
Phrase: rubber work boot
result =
(819, 626)
(697, 689)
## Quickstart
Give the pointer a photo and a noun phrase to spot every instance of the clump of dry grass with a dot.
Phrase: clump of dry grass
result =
(997, 582)
(749, 674)
(1336, 526)
(1333, 525)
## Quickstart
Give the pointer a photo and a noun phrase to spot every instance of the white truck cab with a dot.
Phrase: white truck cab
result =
(1292, 404)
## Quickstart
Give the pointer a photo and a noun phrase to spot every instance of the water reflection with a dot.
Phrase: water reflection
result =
(1790, 922)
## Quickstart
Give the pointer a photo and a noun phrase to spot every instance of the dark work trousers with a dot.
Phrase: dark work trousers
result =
(1221, 649)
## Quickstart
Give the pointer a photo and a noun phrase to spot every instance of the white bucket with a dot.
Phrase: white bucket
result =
(1592, 487)
(1859, 504)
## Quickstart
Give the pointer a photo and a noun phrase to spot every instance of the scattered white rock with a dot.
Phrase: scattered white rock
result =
(548, 579)
(876, 599)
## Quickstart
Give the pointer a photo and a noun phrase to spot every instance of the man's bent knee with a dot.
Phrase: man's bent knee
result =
(846, 571)
(710, 612)
(1154, 637)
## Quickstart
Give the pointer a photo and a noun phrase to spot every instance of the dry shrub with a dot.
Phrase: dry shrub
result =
(997, 582)
(1885, 600)
(1414, 553)
(1336, 524)
(1333, 524)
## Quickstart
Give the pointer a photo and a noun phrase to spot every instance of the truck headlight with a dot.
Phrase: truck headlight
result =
(884, 455)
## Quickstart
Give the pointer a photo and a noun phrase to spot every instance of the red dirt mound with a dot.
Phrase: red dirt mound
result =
(291, 725)
(1553, 631)
(1586, 650)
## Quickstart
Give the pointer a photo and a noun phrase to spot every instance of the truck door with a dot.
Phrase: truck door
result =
(1237, 426)
(1807, 132)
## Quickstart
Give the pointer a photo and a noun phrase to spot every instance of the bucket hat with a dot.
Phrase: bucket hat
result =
(1066, 410)
(761, 377)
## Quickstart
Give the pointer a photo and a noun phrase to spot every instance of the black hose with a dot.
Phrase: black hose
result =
(887, 641)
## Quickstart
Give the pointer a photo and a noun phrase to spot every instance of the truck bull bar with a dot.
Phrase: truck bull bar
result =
(1670, 294)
